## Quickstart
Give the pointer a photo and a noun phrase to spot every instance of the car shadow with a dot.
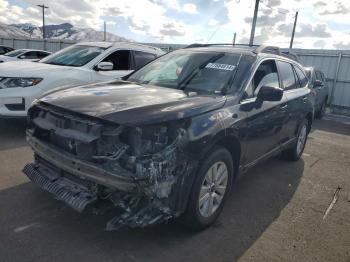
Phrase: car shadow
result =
(12, 133)
(35, 227)
(332, 127)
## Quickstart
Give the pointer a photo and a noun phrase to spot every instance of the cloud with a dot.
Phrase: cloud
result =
(190, 8)
(173, 29)
(333, 7)
(153, 23)
(342, 45)
(321, 23)
(213, 22)
(171, 4)
(318, 30)
(320, 43)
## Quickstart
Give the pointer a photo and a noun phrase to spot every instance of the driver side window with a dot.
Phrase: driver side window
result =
(120, 60)
(265, 75)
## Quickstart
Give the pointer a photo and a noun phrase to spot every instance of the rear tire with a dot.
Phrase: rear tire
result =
(322, 111)
(209, 191)
(294, 153)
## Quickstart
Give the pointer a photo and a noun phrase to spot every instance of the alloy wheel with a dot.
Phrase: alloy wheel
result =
(213, 189)
(301, 139)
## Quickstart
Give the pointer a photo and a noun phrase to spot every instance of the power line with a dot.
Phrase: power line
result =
(43, 7)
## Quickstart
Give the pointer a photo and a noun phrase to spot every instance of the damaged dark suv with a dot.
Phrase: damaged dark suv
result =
(170, 139)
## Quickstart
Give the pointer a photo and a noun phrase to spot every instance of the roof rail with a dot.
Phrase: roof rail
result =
(219, 44)
(268, 49)
(290, 55)
(255, 48)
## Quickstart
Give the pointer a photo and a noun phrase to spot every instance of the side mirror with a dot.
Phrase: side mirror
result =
(22, 57)
(104, 66)
(269, 93)
(318, 83)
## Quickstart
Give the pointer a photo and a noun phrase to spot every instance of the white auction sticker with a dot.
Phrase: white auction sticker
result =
(221, 66)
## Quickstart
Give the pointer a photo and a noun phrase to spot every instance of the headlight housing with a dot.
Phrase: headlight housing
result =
(20, 82)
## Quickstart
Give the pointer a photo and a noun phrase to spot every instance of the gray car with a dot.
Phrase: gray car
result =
(319, 87)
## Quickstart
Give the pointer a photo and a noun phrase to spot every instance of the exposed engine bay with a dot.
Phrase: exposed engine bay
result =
(84, 161)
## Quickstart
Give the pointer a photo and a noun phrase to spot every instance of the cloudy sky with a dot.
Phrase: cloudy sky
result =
(321, 23)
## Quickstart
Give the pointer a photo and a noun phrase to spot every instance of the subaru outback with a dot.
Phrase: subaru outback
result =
(169, 140)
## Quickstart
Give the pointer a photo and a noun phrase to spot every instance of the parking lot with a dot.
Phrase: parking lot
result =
(276, 212)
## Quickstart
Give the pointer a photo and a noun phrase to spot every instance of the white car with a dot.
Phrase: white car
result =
(84, 63)
(24, 54)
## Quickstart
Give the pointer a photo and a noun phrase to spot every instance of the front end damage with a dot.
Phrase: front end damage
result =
(83, 161)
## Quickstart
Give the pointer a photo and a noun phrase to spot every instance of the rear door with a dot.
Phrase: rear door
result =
(142, 58)
(3, 50)
(320, 90)
(297, 92)
(264, 119)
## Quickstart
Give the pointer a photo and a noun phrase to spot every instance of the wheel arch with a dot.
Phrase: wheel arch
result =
(229, 142)
(309, 118)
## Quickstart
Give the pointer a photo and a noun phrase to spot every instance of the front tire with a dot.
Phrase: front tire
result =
(294, 153)
(212, 183)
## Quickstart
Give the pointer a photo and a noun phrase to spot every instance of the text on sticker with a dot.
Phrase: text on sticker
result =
(221, 66)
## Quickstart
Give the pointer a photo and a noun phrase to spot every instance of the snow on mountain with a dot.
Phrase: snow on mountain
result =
(12, 31)
(60, 31)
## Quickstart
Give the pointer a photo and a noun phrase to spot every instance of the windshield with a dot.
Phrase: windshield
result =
(207, 72)
(15, 53)
(77, 55)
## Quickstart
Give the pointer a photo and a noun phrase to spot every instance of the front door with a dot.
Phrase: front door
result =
(122, 64)
(265, 119)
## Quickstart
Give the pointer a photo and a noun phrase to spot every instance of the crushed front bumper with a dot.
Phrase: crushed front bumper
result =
(81, 169)
(74, 194)
(78, 183)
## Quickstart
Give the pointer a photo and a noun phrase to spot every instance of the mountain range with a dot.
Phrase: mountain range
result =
(59, 31)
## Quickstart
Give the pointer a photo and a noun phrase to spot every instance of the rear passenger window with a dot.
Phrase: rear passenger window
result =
(142, 58)
(287, 75)
(319, 75)
(265, 75)
(42, 55)
(302, 77)
(30, 55)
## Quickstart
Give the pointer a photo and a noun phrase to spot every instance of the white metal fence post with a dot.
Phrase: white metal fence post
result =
(331, 102)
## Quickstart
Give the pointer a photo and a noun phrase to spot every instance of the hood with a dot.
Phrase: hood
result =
(29, 69)
(132, 104)
(5, 58)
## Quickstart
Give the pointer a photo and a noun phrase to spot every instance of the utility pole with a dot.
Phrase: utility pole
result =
(234, 39)
(295, 24)
(252, 32)
(104, 31)
(43, 7)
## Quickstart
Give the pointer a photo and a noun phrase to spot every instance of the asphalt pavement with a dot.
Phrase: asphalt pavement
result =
(277, 212)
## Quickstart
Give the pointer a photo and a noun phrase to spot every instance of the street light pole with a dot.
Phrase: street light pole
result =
(295, 24)
(234, 39)
(43, 7)
(252, 32)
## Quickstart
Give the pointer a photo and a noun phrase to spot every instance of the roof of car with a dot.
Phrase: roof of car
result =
(26, 50)
(119, 44)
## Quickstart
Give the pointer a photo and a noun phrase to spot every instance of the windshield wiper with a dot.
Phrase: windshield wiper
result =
(182, 84)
